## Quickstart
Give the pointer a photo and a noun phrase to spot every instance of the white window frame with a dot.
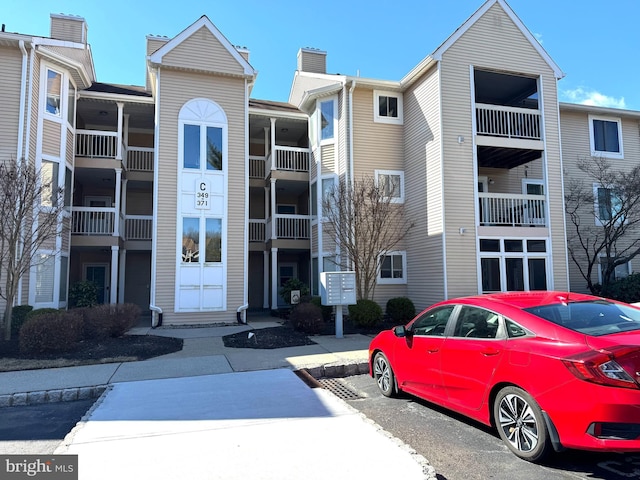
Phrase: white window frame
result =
(393, 281)
(399, 120)
(62, 112)
(399, 173)
(615, 272)
(330, 176)
(604, 154)
(596, 204)
(331, 140)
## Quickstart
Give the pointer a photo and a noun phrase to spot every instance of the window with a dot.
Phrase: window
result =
(213, 242)
(387, 107)
(608, 205)
(214, 148)
(45, 271)
(64, 268)
(314, 199)
(474, 322)
(327, 120)
(49, 179)
(328, 192)
(190, 240)
(606, 137)
(391, 184)
(54, 90)
(71, 104)
(621, 271)
(68, 187)
(393, 267)
(433, 322)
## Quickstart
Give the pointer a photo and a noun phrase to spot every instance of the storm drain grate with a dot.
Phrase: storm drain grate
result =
(339, 388)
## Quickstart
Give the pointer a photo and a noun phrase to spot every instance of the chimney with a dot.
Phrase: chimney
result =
(69, 28)
(244, 51)
(312, 60)
(154, 42)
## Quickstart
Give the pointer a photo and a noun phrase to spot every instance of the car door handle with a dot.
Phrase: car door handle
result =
(433, 350)
(489, 352)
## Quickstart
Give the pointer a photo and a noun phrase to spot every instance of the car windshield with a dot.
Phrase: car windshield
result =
(598, 317)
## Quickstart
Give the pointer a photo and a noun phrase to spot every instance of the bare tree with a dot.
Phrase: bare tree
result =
(366, 224)
(604, 214)
(30, 206)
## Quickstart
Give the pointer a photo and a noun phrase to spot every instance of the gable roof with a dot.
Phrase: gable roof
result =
(157, 56)
(437, 54)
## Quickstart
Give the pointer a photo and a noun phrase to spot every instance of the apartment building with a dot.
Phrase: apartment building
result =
(198, 202)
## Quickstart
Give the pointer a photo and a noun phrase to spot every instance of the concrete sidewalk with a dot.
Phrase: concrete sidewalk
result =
(203, 353)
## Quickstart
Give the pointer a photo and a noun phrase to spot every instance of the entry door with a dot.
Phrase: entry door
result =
(98, 274)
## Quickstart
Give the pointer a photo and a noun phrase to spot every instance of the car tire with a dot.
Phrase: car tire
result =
(520, 424)
(383, 374)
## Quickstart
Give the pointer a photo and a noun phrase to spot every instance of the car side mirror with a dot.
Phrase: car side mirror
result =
(401, 331)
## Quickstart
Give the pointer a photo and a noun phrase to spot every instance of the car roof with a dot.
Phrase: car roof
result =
(523, 299)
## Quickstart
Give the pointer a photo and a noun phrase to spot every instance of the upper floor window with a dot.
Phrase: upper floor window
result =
(71, 104)
(393, 268)
(202, 143)
(327, 119)
(608, 204)
(606, 137)
(50, 192)
(387, 107)
(54, 91)
(391, 184)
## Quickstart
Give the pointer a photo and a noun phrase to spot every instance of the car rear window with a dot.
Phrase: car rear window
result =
(598, 317)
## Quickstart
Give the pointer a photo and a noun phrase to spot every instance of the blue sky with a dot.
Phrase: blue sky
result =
(594, 42)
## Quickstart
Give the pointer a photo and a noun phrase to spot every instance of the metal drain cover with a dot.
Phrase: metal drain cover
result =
(339, 389)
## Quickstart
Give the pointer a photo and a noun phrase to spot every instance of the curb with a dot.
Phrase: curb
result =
(51, 396)
(337, 370)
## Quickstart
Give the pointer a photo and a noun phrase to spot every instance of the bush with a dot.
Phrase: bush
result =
(293, 284)
(365, 313)
(307, 318)
(18, 317)
(51, 333)
(327, 310)
(42, 311)
(124, 316)
(83, 294)
(104, 321)
(624, 290)
(400, 310)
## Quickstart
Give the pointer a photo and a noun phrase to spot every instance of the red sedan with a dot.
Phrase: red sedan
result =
(547, 369)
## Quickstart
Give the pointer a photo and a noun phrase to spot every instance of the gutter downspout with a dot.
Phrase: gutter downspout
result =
(241, 313)
(156, 315)
(350, 175)
(19, 153)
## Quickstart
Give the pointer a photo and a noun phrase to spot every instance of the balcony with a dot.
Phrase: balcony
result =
(138, 227)
(93, 221)
(509, 210)
(98, 144)
(139, 159)
(287, 159)
(508, 122)
(257, 230)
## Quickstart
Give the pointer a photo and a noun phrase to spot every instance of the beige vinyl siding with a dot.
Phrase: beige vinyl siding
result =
(510, 181)
(70, 152)
(313, 166)
(575, 128)
(203, 51)
(328, 158)
(66, 238)
(51, 141)
(342, 132)
(177, 88)
(10, 80)
(384, 293)
(493, 42)
(68, 29)
(154, 43)
(303, 82)
(424, 194)
(314, 238)
(376, 146)
(76, 55)
(315, 62)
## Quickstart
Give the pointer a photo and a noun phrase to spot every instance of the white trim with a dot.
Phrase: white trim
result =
(154, 236)
(392, 281)
(318, 112)
(397, 120)
(395, 173)
(442, 183)
(596, 205)
(592, 143)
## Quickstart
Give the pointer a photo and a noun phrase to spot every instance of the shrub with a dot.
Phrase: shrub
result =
(307, 317)
(51, 333)
(400, 310)
(624, 290)
(83, 294)
(18, 317)
(365, 313)
(293, 284)
(327, 310)
(103, 321)
(42, 311)
(124, 316)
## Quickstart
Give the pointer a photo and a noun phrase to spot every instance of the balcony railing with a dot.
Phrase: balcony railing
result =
(138, 227)
(257, 167)
(140, 159)
(257, 230)
(293, 227)
(510, 122)
(93, 220)
(96, 144)
(293, 159)
(503, 209)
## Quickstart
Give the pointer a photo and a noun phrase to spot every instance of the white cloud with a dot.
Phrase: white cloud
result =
(591, 97)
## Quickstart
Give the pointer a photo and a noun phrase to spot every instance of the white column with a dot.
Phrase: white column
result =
(274, 278)
(273, 144)
(265, 281)
(119, 137)
(116, 221)
(113, 283)
(267, 145)
(273, 208)
(121, 273)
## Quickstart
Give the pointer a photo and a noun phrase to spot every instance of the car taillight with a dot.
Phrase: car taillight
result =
(616, 366)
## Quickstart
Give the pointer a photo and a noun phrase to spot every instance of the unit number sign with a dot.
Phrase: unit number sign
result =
(203, 194)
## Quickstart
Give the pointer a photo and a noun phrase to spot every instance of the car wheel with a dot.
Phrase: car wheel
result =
(520, 424)
(384, 376)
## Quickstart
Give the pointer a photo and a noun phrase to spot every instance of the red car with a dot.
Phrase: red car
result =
(547, 369)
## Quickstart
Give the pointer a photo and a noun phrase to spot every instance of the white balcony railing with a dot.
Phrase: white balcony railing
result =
(257, 167)
(293, 227)
(138, 227)
(93, 220)
(96, 144)
(292, 159)
(257, 230)
(503, 209)
(140, 159)
(510, 122)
